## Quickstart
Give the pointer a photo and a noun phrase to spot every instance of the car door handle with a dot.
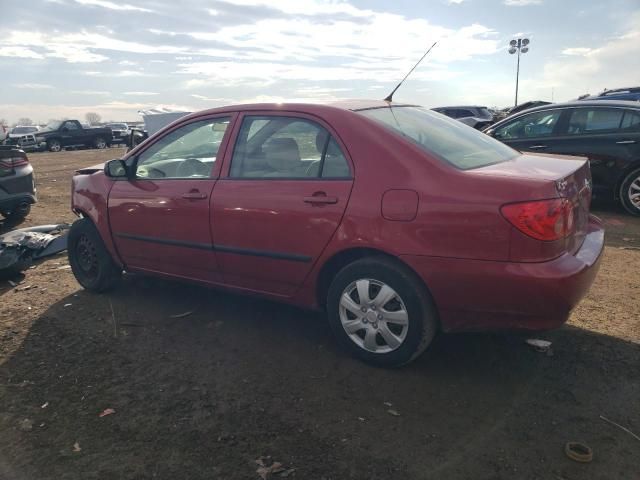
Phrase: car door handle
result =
(194, 195)
(626, 142)
(537, 147)
(321, 200)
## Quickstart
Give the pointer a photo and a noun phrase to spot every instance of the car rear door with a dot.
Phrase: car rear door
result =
(608, 136)
(159, 218)
(279, 201)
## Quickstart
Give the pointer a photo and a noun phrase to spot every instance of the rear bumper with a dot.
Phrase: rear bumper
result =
(484, 295)
(17, 188)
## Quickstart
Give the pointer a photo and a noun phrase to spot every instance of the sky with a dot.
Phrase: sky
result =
(63, 58)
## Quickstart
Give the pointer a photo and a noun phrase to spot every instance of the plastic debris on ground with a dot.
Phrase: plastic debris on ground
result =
(19, 248)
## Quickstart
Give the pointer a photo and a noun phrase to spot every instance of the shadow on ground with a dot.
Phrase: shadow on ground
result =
(204, 395)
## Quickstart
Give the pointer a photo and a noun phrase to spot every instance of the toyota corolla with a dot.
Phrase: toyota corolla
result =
(396, 220)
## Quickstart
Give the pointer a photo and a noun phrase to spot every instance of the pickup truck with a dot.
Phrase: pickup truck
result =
(60, 134)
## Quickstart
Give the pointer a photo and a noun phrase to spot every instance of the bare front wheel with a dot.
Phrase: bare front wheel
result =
(381, 312)
(90, 261)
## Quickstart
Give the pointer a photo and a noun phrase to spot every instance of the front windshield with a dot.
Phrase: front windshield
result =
(117, 126)
(53, 125)
(22, 130)
(448, 139)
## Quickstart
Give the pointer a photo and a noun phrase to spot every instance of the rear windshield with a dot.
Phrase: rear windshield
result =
(454, 142)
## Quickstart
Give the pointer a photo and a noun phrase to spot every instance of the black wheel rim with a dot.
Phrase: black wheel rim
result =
(87, 257)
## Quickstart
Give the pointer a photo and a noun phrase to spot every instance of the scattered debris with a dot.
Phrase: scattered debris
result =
(19, 248)
(578, 452)
(361, 419)
(113, 318)
(26, 425)
(539, 345)
(67, 305)
(267, 468)
(107, 411)
(64, 267)
(181, 315)
(44, 405)
(76, 447)
(395, 413)
(620, 427)
(388, 404)
(13, 284)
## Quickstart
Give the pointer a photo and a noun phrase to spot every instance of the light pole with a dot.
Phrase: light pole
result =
(520, 45)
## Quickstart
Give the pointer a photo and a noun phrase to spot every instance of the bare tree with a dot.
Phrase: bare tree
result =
(25, 121)
(92, 117)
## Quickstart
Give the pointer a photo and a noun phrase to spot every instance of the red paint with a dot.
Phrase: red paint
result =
(442, 222)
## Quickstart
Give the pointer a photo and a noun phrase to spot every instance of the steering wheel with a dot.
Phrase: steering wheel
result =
(192, 167)
(144, 171)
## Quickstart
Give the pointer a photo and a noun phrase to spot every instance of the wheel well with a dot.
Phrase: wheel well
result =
(633, 166)
(340, 260)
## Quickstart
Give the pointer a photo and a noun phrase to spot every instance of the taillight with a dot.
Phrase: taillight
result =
(13, 162)
(545, 220)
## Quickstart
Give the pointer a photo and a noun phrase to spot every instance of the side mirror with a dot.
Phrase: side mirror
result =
(116, 169)
(491, 132)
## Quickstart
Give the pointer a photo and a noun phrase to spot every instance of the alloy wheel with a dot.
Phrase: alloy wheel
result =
(374, 316)
(101, 143)
(55, 146)
(633, 193)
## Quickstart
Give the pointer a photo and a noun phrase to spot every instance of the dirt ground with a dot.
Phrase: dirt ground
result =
(205, 395)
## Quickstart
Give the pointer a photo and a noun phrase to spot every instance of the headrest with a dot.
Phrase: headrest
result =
(282, 154)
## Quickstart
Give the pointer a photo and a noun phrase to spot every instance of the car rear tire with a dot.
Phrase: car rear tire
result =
(630, 192)
(54, 145)
(100, 143)
(18, 213)
(394, 324)
(90, 261)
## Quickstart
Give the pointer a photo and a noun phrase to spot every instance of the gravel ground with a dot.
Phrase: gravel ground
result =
(241, 380)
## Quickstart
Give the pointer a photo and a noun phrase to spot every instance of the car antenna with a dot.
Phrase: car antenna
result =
(389, 97)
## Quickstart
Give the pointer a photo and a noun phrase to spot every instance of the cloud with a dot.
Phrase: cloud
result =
(576, 51)
(112, 5)
(19, 52)
(522, 3)
(455, 2)
(33, 86)
(90, 92)
(143, 94)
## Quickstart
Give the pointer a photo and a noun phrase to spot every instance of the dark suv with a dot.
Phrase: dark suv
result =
(607, 132)
(632, 94)
(17, 185)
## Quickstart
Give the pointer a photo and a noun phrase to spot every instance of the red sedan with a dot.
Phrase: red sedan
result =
(398, 221)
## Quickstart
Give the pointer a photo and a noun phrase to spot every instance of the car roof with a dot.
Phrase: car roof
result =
(585, 103)
(352, 105)
(463, 106)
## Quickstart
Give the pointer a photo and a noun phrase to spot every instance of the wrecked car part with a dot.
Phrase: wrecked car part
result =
(19, 248)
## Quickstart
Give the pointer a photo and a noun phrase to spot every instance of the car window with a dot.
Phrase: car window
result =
(188, 152)
(630, 121)
(71, 126)
(286, 147)
(587, 120)
(537, 124)
(448, 139)
(462, 113)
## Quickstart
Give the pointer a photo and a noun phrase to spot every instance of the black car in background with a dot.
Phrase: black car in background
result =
(607, 132)
(17, 183)
(475, 116)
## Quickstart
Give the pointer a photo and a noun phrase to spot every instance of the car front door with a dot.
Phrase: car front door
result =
(533, 132)
(160, 216)
(70, 133)
(279, 202)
